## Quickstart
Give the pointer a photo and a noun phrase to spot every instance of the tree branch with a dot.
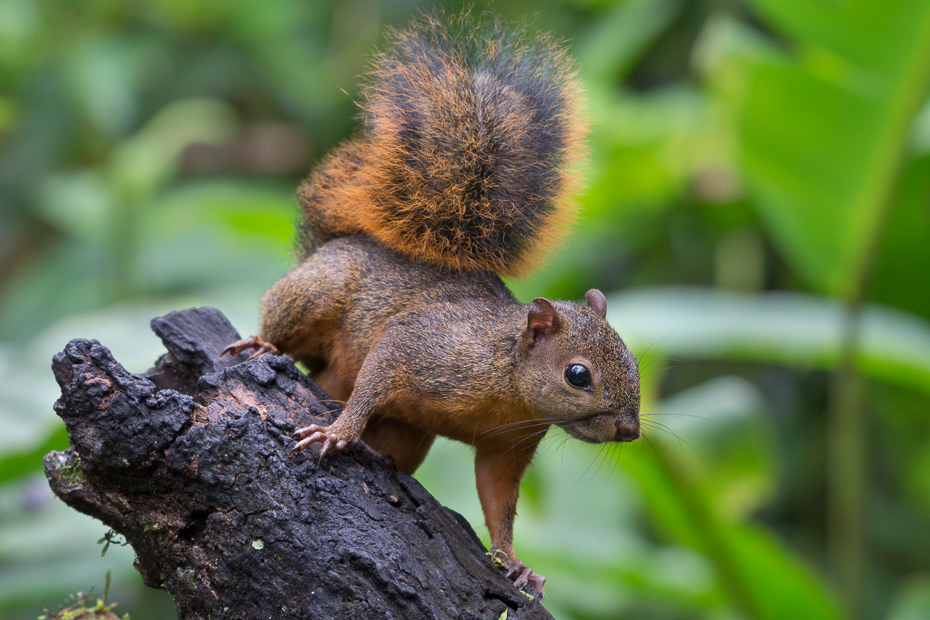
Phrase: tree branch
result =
(189, 464)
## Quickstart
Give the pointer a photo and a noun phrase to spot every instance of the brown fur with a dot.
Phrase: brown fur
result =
(463, 172)
(468, 158)
(418, 352)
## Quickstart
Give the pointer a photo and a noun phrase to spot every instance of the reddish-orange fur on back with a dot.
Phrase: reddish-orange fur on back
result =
(471, 134)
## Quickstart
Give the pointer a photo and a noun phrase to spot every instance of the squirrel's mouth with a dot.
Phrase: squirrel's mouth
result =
(603, 427)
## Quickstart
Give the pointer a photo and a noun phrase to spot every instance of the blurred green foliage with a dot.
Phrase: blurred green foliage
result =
(758, 169)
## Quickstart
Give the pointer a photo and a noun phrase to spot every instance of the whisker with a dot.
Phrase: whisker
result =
(525, 439)
(642, 375)
(529, 424)
(328, 411)
(616, 459)
(648, 364)
(519, 424)
(657, 424)
(652, 444)
(680, 440)
(553, 445)
(643, 354)
(681, 415)
(584, 473)
(542, 432)
(341, 403)
(606, 453)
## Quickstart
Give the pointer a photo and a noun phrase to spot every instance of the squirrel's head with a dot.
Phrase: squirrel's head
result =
(577, 372)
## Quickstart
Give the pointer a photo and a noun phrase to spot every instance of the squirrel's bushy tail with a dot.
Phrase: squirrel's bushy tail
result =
(471, 133)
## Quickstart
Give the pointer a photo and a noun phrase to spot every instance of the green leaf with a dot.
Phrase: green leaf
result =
(823, 130)
(605, 565)
(898, 279)
(252, 212)
(719, 431)
(645, 149)
(143, 163)
(46, 555)
(782, 585)
(781, 328)
(609, 50)
(759, 575)
(14, 465)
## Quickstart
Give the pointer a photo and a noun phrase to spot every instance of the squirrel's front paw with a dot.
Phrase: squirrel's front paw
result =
(317, 434)
(252, 342)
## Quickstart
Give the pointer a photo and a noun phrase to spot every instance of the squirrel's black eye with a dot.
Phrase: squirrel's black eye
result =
(578, 376)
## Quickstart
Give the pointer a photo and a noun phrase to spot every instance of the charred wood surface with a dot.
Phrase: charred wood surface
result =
(189, 463)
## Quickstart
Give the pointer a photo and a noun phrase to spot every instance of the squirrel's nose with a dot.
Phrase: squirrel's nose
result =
(628, 429)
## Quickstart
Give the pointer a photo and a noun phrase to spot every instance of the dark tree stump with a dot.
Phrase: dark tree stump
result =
(189, 463)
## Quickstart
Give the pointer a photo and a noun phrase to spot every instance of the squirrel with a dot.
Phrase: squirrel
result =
(464, 172)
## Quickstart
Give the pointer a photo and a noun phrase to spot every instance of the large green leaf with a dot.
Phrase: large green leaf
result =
(782, 328)
(579, 524)
(686, 493)
(823, 130)
(621, 35)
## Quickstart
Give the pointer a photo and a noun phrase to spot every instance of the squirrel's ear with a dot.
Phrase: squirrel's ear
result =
(597, 302)
(541, 320)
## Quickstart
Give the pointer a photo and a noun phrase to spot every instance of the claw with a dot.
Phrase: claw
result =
(534, 586)
(303, 443)
(520, 582)
(306, 431)
(523, 576)
(315, 434)
(252, 342)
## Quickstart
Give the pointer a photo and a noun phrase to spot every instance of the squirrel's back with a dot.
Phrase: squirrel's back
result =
(466, 158)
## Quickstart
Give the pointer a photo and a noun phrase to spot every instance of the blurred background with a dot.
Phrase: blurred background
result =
(756, 208)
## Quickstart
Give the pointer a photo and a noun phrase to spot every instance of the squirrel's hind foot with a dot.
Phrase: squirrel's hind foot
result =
(523, 576)
(317, 434)
(254, 341)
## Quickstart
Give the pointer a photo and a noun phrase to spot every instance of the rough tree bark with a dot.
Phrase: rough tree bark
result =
(189, 463)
